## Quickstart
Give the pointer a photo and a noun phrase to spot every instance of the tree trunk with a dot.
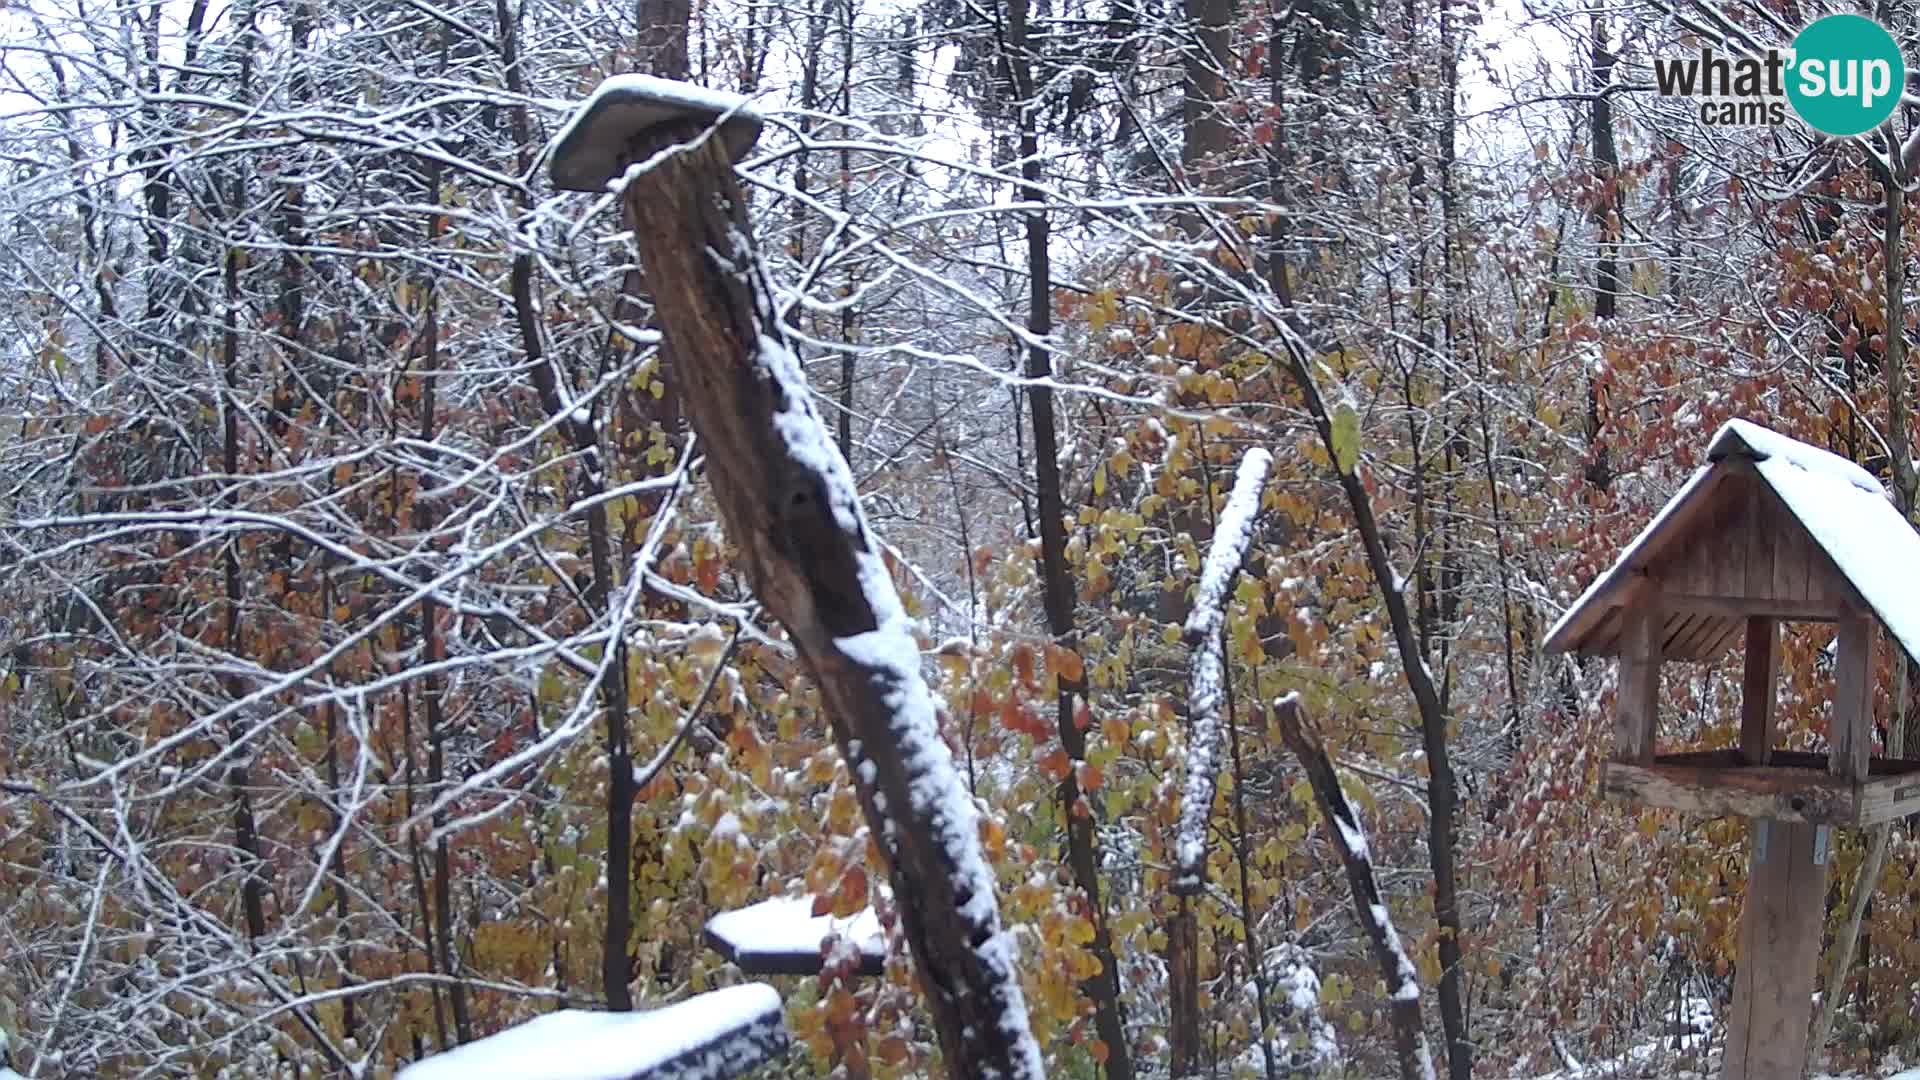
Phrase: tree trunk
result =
(246, 838)
(1083, 855)
(1607, 213)
(425, 517)
(788, 503)
(1442, 785)
(1206, 133)
(1350, 840)
(616, 958)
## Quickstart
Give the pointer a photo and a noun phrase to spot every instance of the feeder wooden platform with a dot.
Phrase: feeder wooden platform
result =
(1790, 787)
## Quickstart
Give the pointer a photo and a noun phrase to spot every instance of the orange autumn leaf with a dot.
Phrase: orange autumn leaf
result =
(1023, 664)
(1066, 664)
(1091, 776)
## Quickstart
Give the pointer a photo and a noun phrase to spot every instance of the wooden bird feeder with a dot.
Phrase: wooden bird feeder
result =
(718, 1035)
(1771, 530)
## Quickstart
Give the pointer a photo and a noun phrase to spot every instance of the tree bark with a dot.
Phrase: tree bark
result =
(1083, 854)
(1607, 213)
(1442, 784)
(246, 836)
(1205, 131)
(616, 958)
(425, 517)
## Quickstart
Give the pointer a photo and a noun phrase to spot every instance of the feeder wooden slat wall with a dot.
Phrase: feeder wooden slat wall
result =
(1852, 697)
(1637, 708)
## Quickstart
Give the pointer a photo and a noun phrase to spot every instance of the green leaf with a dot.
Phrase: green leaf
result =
(1346, 437)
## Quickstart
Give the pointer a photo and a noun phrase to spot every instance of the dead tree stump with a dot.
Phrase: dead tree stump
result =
(789, 505)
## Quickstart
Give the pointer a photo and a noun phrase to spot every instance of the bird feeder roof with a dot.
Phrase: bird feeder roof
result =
(1769, 526)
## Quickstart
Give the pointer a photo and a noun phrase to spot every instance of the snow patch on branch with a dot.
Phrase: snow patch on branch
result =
(1206, 667)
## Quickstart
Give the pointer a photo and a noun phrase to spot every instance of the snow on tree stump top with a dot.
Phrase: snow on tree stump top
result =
(782, 936)
(712, 1036)
(593, 148)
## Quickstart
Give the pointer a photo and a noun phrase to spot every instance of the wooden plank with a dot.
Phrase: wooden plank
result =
(1604, 638)
(1785, 762)
(1745, 607)
(1731, 631)
(1758, 689)
(1636, 713)
(1825, 584)
(1790, 795)
(1889, 799)
(716, 1035)
(1851, 734)
(1671, 634)
(1694, 562)
(1761, 541)
(1727, 546)
(1790, 549)
(1780, 928)
(1697, 643)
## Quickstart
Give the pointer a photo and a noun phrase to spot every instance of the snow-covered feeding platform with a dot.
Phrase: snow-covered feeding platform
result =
(1771, 530)
(712, 1036)
(782, 936)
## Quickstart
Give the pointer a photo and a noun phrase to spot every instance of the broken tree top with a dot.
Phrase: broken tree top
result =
(592, 149)
(1770, 526)
(711, 1036)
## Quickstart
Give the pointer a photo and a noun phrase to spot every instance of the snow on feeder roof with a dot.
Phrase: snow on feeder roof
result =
(712, 1036)
(782, 936)
(1770, 526)
(592, 149)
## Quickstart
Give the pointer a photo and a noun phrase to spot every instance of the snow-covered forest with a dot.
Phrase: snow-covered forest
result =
(1235, 392)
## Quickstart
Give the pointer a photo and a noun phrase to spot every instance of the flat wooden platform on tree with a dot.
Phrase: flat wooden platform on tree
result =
(782, 936)
(1792, 786)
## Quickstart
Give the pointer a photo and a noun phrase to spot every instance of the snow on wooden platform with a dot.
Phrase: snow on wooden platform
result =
(588, 154)
(782, 936)
(712, 1036)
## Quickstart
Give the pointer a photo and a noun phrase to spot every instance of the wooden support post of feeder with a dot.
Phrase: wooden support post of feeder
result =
(1770, 531)
(789, 506)
(1757, 696)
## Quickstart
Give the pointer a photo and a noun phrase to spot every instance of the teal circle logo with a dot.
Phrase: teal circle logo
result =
(1847, 75)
